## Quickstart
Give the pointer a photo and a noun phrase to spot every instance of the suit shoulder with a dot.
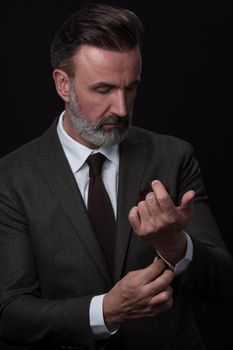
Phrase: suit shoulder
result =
(19, 161)
(159, 140)
(19, 153)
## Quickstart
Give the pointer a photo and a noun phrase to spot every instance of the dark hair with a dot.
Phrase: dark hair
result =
(108, 27)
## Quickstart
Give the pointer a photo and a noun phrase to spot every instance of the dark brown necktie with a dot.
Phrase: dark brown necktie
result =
(100, 209)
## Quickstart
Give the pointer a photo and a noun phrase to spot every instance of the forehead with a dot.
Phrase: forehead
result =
(93, 62)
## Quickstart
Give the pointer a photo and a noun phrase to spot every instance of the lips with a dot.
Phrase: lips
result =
(112, 126)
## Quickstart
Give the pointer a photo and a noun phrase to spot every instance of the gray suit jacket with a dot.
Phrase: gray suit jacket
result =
(51, 264)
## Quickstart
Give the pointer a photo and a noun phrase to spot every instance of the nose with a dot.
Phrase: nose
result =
(119, 106)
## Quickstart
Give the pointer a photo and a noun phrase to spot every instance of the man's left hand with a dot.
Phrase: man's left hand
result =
(161, 224)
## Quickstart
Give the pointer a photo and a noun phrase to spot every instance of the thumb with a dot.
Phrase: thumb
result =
(187, 201)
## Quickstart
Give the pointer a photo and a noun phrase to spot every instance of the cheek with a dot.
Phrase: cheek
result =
(94, 107)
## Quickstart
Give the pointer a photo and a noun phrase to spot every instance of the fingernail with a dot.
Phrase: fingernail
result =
(154, 182)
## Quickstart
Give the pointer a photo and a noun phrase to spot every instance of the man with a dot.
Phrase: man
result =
(58, 289)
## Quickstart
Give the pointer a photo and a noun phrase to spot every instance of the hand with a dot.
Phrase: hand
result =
(141, 293)
(161, 224)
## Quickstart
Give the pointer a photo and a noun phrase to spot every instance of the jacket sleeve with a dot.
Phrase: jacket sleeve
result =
(210, 274)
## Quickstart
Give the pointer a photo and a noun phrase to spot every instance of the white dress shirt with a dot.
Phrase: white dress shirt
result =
(76, 155)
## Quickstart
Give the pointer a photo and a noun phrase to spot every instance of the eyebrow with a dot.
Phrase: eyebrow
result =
(105, 84)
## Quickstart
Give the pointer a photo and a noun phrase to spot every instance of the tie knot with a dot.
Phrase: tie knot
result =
(95, 162)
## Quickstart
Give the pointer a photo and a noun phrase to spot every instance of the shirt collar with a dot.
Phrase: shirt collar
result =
(77, 153)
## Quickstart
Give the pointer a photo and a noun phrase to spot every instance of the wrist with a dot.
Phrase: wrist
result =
(111, 315)
(175, 250)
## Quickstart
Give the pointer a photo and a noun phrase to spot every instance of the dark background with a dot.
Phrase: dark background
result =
(186, 91)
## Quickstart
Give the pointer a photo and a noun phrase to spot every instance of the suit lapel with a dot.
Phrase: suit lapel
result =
(56, 170)
(132, 164)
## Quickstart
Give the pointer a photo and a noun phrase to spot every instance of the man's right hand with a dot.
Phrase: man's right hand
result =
(141, 293)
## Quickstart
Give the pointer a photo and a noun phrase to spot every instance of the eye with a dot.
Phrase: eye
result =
(104, 89)
(132, 86)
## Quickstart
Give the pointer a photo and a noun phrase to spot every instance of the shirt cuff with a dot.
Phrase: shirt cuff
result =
(97, 323)
(183, 264)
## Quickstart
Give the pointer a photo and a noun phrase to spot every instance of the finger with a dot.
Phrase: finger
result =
(187, 201)
(143, 212)
(160, 283)
(163, 198)
(134, 219)
(153, 271)
(160, 303)
(163, 297)
(152, 204)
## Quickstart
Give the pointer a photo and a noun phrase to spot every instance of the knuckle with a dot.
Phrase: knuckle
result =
(150, 197)
(167, 306)
(168, 276)
(157, 267)
(171, 219)
(162, 198)
(166, 296)
(131, 215)
(141, 205)
(130, 274)
(164, 282)
(132, 281)
(160, 263)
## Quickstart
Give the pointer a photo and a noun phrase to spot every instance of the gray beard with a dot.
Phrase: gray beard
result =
(94, 132)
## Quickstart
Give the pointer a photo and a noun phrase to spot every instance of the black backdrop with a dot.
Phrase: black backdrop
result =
(186, 91)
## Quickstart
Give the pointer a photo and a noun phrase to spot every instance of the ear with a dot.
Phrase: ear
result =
(62, 83)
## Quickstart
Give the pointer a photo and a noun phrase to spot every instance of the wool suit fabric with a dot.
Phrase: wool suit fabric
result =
(51, 264)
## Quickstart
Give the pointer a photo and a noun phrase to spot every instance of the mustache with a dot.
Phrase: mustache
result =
(113, 120)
